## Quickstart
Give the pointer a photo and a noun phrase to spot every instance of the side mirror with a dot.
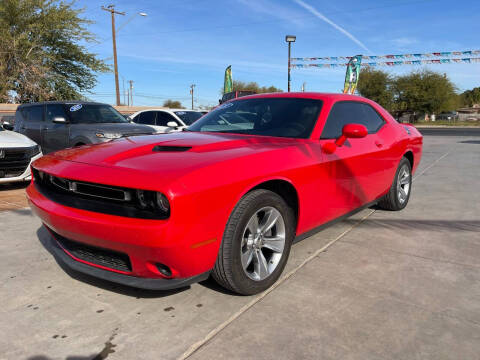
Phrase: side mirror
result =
(172, 124)
(7, 126)
(60, 120)
(349, 131)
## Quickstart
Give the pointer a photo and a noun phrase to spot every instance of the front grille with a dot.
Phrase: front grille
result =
(97, 198)
(95, 255)
(14, 161)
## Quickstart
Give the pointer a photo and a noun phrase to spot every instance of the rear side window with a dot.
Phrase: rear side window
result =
(55, 110)
(147, 118)
(34, 113)
(351, 112)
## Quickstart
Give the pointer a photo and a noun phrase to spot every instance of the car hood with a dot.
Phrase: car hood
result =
(119, 128)
(162, 159)
(11, 139)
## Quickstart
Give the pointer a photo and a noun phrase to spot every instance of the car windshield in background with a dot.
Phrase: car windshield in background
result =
(189, 117)
(282, 117)
(93, 114)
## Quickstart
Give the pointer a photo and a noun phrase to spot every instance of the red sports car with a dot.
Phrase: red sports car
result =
(227, 197)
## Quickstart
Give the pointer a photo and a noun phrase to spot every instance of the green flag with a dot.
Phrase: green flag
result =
(353, 72)
(228, 82)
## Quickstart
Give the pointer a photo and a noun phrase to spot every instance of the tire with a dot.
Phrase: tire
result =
(240, 243)
(396, 200)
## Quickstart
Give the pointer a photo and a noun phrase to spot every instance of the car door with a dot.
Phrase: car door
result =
(55, 136)
(33, 121)
(353, 173)
(146, 118)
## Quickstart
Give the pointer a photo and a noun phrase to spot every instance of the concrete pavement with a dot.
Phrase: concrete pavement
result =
(400, 285)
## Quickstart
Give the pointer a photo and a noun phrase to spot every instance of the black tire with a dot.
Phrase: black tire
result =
(228, 270)
(392, 200)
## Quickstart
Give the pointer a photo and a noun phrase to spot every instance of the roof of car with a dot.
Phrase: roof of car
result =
(308, 95)
(62, 102)
(168, 109)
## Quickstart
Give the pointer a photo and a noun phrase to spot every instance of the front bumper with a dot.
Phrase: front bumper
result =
(25, 176)
(133, 281)
(147, 243)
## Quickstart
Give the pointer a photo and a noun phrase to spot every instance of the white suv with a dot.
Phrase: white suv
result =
(166, 120)
(17, 152)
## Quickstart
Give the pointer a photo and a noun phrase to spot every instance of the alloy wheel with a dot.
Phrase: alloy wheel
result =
(403, 184)
(263, 243)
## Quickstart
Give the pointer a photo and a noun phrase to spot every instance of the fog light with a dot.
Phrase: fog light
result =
(164, 270)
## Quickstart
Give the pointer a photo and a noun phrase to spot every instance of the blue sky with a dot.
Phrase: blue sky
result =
(182, 42)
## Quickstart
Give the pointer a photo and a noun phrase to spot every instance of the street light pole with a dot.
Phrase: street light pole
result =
(111, 10)
(289, 39)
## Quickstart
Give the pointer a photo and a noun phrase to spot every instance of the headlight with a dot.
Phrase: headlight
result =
(108, 135)
(34, 150)
(153, 201)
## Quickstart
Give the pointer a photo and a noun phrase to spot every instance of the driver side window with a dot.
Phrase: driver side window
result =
(164, 118)
(351, 112)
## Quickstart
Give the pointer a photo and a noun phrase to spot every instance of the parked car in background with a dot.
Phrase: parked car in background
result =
(63, 124)
(448, 116)
(229, 196)
(166, 120)
(16, 155)
(234, 95)
(7, 121)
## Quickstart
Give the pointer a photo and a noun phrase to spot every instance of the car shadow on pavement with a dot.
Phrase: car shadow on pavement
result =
(425, 225)
(44, 237)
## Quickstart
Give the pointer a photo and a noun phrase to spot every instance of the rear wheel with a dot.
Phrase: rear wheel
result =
(399, 193)
(256, 243)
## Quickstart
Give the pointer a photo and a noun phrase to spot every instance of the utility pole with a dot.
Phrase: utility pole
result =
(131, 92)
(123, 90)
(192, 87)
(303, 86)
(111, 10)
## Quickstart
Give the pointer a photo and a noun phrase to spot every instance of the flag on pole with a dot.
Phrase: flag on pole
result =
(353, 72)
(228, 82)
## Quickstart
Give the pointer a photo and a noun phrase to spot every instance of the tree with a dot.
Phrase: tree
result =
(425, 92)
(377, 86)
(173, 104)
(470, 97)
(41, 57)
(253, 86)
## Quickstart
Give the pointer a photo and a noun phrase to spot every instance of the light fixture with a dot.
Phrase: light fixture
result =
(290, 38)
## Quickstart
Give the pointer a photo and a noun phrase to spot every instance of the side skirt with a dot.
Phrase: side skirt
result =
(309, 233)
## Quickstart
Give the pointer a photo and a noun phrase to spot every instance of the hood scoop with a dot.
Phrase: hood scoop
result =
(170, 148)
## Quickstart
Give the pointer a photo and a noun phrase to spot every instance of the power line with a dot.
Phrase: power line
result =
(270, 21)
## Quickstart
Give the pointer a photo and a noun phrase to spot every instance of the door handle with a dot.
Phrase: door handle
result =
(378, 143)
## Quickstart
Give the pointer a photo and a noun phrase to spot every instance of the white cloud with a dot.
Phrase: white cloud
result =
(266, 7)
(319, 15)
(404, 42)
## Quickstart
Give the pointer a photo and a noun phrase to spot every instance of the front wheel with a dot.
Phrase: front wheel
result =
(256, 243)
(399, 193)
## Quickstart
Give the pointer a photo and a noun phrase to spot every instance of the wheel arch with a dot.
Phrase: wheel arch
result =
(285, 189)
(409, 155)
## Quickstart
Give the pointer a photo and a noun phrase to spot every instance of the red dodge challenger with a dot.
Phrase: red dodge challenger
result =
(228, 196)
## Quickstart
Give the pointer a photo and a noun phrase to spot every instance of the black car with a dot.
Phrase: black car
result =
(62, 124)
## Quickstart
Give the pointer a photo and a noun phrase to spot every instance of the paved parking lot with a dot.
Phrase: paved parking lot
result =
(380, 285)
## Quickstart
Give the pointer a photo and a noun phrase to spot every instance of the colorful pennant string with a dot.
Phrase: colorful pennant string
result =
(394, 63)
(402, 56)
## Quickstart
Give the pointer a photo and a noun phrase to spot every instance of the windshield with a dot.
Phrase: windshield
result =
(93, 114)
(282, 117)
(189, 117)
